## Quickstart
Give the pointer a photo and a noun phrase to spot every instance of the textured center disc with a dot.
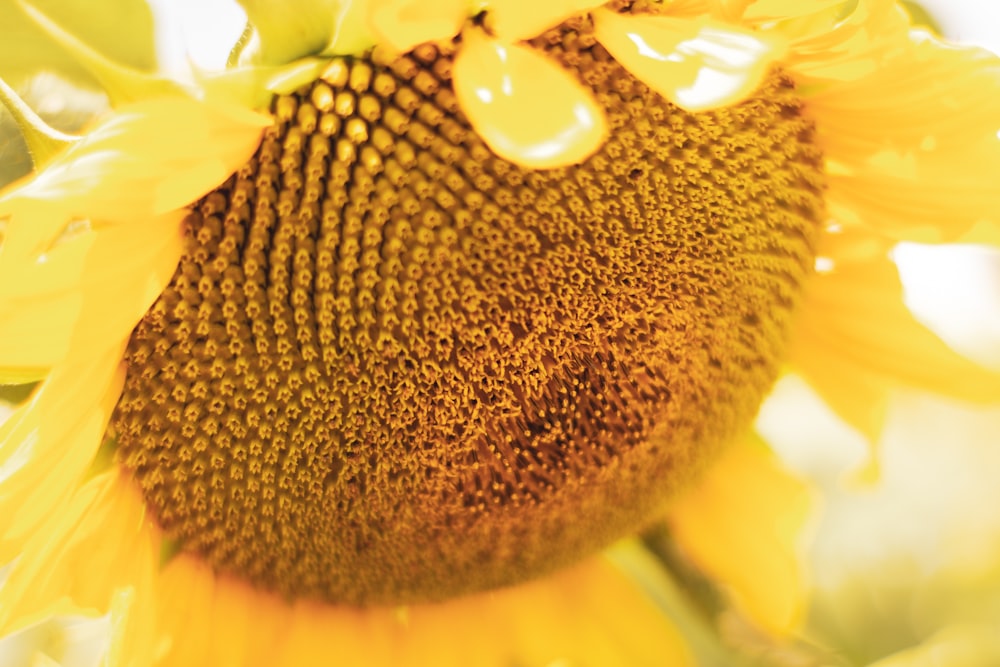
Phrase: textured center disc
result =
(393, 367)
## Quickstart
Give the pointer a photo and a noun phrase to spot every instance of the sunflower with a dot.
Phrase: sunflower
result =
(359, 351)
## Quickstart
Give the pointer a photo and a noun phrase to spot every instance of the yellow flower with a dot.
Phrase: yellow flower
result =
(422, 304)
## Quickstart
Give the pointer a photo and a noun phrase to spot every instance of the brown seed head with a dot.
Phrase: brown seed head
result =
(394, 367)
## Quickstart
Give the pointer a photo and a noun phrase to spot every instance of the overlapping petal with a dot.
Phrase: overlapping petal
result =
(845, 41)
(742, 524)
(515, 20)
(696, 64)
(855, 339)
(589, 615)
(69, 558)
(914, 146)
(146, 159)
(524, 106)
(49, 442)
(85, 292)
(403, 24)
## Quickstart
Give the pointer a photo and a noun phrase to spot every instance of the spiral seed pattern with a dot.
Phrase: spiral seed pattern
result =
(393, 367)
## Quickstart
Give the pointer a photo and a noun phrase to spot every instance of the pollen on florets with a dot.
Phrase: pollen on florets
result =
(395, 367)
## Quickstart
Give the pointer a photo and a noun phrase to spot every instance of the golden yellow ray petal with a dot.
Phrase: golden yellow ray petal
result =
(741, 525)
(99, 553)
(859, 400)
(985, 233)
(85, 292)
(516, 20)
(831, 42)
(195, 602)
(589, 615)
(777, 10)
(49, 442)
(696, 64)
(914, 142)
(253, 86)
(146, 159)
(403, 24)
(855, 339)
(524, 106)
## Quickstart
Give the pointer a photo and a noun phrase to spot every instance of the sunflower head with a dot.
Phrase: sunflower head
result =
(488, 287)
(391, 362)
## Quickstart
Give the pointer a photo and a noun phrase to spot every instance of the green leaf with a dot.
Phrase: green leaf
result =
(121, 30)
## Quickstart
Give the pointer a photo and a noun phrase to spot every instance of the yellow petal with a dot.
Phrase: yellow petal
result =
(99, 553)
(761, 11)
(214, 619)
(916, 141)
(146, 159)
(64, 636)
(831, 42)
(516, 20)
(85, 292)
(741, 525)
(49, 442)
(403, 24)
(188, 592)
(525, 107)
(591, 615)
(291, 31)
(855, 339)
(696, 64)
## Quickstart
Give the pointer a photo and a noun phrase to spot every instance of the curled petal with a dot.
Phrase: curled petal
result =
(85, 292)
(68, 560)
(913, 147)
(515, 20)
(856, 340)
(144, 160)
(403, 24)
(696, 64)
(748, 504)
(48, 443)
(525, 107)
